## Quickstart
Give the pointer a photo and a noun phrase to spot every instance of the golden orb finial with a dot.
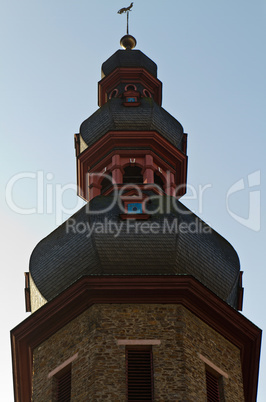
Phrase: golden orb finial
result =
(128, 42)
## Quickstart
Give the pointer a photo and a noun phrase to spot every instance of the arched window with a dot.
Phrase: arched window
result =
(158, 180)
(113, 94)
(130, 87)
(132, 175)
(146, 93)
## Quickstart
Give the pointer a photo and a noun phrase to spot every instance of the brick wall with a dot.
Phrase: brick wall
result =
(98, 373)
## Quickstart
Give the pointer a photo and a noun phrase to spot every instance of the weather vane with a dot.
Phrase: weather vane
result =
(126, 10)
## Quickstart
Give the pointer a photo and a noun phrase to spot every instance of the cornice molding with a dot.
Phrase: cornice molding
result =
(184, 290)
(122, 142)
(129, 75)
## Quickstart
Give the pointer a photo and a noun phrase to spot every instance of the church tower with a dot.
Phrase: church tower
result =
(134, 298)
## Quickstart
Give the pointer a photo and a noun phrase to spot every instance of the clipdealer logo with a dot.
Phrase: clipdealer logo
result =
(252, 221)
(52, 198)
(128, 226)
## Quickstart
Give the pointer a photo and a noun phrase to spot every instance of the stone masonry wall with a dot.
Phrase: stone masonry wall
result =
(98, 373)
(200, 338)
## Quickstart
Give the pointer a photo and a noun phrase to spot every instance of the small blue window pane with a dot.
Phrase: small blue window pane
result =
(134, 208)
(131, 99)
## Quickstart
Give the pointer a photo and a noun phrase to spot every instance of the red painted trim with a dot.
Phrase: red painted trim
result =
(184, 290)
(146, 93)
(131, 94)
(129, 75)
(129, 190)
(114, 91)
(134, 216)
(131, 104)
(128, 85)
(99, 155)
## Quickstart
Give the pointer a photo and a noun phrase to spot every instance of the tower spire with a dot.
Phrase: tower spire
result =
(161, 287)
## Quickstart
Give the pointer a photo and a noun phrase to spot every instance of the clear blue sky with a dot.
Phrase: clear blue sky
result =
(212, 62)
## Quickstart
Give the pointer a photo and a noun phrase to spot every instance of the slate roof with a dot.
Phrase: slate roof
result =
(128, 58)
(69, 252)
(148, 116)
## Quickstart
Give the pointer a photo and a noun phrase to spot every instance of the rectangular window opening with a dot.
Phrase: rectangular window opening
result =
(139, 369)
(214, 386)
(62, 385)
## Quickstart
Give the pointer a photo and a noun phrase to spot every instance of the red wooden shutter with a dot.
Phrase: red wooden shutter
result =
(64, 387)
(139, 375)
(212, 383)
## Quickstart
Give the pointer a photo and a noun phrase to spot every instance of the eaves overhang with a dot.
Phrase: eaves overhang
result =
(89, 290)
(95, 158)
(132, 75)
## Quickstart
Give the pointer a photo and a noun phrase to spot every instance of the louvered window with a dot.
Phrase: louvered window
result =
(63, 386)
(139, 375)
(213, 387)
